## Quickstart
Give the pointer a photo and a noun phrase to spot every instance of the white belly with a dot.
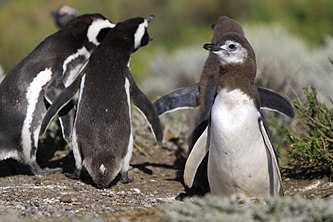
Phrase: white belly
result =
(238, 161)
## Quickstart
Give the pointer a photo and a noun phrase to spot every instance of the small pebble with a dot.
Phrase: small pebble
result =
(66, 198)
(136, 190)
(38, 182)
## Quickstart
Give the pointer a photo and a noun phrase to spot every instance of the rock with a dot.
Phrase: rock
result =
(66, 198)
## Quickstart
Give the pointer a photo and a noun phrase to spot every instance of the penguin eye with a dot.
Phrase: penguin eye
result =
(232, 46)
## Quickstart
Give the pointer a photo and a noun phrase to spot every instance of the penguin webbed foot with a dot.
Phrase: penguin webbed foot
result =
(37, 170)
(75, 175)
(124, 178)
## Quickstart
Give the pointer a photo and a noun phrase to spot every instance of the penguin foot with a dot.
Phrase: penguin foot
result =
(124, 178)
(75, 175)
(37, 170)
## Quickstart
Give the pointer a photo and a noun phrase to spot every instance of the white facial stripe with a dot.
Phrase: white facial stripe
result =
(76, 151)
(80, 52)
(95, 27)
(130, 143)
(228, 56)
(139, 34)
(32, 95)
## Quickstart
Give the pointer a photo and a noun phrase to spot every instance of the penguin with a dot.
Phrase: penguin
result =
(63, 15)
(35, 81)
(201, 94)
(102, 136)
(241, 157)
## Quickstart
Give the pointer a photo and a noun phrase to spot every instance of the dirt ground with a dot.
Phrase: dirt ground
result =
(155, 170)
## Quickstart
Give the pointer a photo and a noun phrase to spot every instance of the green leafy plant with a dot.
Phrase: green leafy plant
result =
(312, 145)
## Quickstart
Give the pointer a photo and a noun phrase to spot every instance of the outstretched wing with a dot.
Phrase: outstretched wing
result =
(187, 97)
(273, 101)
(147, 109)
(183, 98)
(195, 157)
(274, 172)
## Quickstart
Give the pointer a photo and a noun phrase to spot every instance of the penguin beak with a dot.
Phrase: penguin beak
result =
(150, 18)
(211, 47)
(54, 13)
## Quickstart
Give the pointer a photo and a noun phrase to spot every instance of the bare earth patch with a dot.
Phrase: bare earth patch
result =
(155, 171)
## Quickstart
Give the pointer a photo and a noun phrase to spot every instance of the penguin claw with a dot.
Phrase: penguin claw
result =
(37, 170)
(124, 178)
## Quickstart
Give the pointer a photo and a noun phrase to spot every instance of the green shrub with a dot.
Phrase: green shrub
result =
(311, 150)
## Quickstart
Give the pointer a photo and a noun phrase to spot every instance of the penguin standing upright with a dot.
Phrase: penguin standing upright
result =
(202, 95)
(102, 135)
(241, 157)
(43, 74)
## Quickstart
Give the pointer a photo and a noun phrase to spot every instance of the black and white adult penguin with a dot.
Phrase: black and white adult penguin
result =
(63, 15)
(201, 94)
(241, 157)
(102, 137)
(46, 71)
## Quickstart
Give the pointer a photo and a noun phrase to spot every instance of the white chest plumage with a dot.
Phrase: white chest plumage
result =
(238, 158)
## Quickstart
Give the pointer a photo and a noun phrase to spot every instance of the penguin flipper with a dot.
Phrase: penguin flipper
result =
(195, 157)
(67, 121)
(66, 114)
(183, 98)
(275, 176)
(187, 97)
(147, 109)
(273, 101)
(60, 102)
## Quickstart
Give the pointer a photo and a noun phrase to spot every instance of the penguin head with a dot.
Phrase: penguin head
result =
(231, 48)
(90, 29)
(103, 168)
(224, 25)
(132, 32)
(141, 36)
(63, 15)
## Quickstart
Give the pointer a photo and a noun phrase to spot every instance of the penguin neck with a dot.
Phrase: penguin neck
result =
(121, 51)
(239, 76)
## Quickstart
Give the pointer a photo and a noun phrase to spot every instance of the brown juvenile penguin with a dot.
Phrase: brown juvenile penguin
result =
(210, 71)
(241, 157)
(202, 95)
